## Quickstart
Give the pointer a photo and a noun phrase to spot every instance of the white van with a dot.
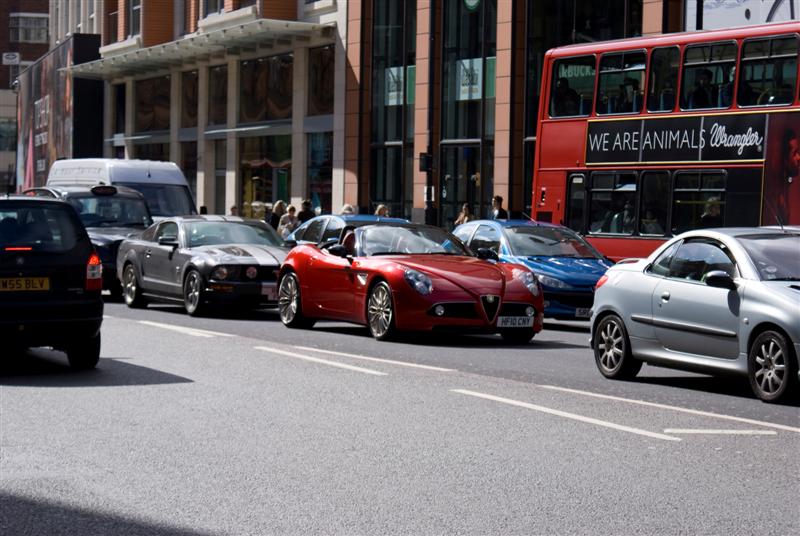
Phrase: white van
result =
(162, 183)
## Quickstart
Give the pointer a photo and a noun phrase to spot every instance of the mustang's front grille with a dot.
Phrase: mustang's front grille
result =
(490, 306)
(264, 274)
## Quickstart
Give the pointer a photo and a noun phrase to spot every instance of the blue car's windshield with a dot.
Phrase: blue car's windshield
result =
(776, 256)
(530, 241)
(411, 240)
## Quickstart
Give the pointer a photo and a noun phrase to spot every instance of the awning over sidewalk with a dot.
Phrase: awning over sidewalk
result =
(260, 34)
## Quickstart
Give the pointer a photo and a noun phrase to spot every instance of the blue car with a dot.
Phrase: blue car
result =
(328, 227)
(567, 266)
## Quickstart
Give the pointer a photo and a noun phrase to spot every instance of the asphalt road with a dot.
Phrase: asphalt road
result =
(237, 425)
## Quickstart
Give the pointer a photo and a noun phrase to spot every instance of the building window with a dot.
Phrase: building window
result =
(246, 3)
(189, 165)
(320, 170)
(135, 17)
(28, 28)
(266, 171)
(8, 134)
(152, 104)
(320, 80)
(189, 99)
(266, 89)
(218, 95)
(214, 6)
(152, 151)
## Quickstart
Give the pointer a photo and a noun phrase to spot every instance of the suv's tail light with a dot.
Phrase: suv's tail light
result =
(94, 273)
(601, 282)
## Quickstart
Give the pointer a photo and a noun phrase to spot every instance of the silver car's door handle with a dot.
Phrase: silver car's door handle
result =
(147, 253)
(665, 296)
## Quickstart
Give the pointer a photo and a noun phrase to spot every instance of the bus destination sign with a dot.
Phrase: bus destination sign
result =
(710, 138)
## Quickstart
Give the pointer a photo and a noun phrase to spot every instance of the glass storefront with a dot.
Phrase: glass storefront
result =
(469, 60)
(393, 88)
(220, 167)
(152, 151)
(265, 89)
(189, 99)
(320, 171)
(152, 104)
(189, 165)
(265, 171)
(320, 80)
(218, 95)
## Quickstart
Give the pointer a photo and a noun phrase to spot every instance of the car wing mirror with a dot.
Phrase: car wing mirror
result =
(720, 279)
(338, 250)
(488, 254)
(168, 240)
(290, 243)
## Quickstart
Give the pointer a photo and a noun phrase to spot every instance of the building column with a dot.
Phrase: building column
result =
(109, 107)
(130, 120)
(205, 148)
(652, 17)
(339, 92)
(352, 117)
(421, 106)
(232, 186)
(299, 104)
(175, 107)
(502, 133)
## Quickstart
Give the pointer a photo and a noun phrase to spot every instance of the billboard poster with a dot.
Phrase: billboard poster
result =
(58, 116)
(781, 200)
(710, 138)
(469, 77)
(717, 14)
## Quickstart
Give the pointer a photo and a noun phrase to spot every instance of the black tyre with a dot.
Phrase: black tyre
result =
(131, 291)
(193, 294)
(772, 367)
(380, 312)
(289, 303)
(518, 335)
(84, 354)
(612, 350)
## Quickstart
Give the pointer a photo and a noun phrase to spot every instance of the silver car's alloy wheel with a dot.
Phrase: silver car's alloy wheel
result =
(770, 370)
(611, 344)
(379, 311)
(192, 292)
(288, 298)
(129, 286)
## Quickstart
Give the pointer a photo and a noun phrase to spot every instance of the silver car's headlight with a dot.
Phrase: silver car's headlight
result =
(552, 282)
(419, 281)
(529, 280)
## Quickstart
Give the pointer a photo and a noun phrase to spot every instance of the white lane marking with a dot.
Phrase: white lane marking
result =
(194, 332)
(567, 415)
(322, 361)
(375, 359)
(718, 432)
(675, 408)
(106, 317)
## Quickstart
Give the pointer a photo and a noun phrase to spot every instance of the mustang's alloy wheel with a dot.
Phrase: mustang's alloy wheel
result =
(289, 304)
(130, 288)
(612, 352)
(771, 367)
(193, 293)
(380, 312)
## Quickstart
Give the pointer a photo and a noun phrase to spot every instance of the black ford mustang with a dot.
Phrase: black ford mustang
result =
(201, 260)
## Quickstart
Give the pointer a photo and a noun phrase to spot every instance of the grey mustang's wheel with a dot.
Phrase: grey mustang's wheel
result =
(771, 367)
(380, 312)
(612, 351)
(193, 293)
(289, 304)
(131, 291)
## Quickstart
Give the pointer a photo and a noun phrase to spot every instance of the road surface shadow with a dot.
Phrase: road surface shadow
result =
(22, 515)
(222, 313)
(47, 368)
(721, 385)
(572, 328)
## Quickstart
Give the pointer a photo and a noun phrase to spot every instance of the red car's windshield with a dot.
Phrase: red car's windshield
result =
(409, 240)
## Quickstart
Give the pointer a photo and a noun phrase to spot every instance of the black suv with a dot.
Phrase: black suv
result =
(50, 280)
(110, 214)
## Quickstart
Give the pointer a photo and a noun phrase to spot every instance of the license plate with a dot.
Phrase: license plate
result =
(514, 321)
(583, 312)
(24, 284)
(269, 290)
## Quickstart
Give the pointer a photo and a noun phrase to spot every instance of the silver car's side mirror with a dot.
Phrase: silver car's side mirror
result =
(720, 279)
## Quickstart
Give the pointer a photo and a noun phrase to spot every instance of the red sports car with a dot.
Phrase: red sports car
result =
(408, 277)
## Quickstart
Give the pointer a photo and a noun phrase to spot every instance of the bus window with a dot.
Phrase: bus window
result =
(612, 203)
(706, 76)
(577, 202)
(769, 72)
(663, 79)
(655, 203)
(621, 83)
(573, 87)
(698, 201)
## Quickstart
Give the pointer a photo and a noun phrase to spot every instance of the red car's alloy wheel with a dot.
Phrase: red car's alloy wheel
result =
(380, 313)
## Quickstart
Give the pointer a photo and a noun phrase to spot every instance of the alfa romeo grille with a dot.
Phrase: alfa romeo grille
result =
(490, 306)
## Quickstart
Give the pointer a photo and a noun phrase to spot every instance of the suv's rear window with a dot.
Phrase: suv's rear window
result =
(48, 227)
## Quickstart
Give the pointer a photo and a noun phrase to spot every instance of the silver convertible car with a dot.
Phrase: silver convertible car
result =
(712, 301)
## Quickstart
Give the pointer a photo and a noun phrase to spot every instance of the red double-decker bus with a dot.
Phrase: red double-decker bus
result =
(642, 139)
